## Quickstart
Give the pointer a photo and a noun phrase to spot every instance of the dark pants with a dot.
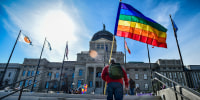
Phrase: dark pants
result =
(132, 91)
(116, 89)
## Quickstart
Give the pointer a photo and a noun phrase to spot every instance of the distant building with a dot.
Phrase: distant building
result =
(194, 75)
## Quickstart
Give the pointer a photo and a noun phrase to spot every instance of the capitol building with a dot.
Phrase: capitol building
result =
(87, 69)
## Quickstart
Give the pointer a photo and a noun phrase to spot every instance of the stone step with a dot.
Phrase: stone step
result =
(62, 96)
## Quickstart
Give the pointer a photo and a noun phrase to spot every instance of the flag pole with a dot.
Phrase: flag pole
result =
(5, 69)
(188, 81)
(124, 53)
(149, 59)
(109, 61)
(150, 66)
(177, 45)
(38, 65)
(62, 65)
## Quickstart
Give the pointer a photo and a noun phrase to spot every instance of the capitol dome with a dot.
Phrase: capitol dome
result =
(103, 34)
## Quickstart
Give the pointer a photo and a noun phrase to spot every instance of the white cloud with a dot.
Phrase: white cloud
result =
(162, 11)
(54, 21)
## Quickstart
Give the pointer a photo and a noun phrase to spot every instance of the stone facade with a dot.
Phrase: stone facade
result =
(11, 73)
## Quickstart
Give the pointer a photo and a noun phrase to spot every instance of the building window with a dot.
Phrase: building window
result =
(30, 81)
(145, 76)
(29, 73)
(80, 72)
(164, 67)
(49, 74)
(20, 84)
(72, 85)
(144, 69)
(102, 46)
(98, 74)
(66, 68)
(136, 69)
(38, 72)
(26, 83)
(99, 46)
(58, 68)
(73, 75)
(55, 85)
(136, 76)
(35, 83)
(32, 73)
(9, 74)
(47, 85)
(106, 48)
(137, 85)
(79, 83)
(23, 73)
(65, 75)
(146, 86)
(57, 75)
(90, 84)
(50, 68)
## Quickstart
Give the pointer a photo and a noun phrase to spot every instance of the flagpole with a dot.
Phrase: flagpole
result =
(62, 66)
(109, 61)
(38, 65)
(124, 53)
(5, 69)
(104, 53)
(150, 66)
(177, 44)
(179, 51)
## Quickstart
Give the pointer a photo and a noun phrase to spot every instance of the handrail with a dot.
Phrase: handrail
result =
(22, 86)
(171, 88)
(191, 90)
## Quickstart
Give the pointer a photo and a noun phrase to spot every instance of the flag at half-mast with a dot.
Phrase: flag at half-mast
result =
(131, 23)
(127, 47)
(25, 39)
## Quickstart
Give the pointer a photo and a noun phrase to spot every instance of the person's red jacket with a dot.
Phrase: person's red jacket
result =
(105, 77)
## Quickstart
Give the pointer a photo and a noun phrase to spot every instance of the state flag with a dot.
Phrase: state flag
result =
(25, 39)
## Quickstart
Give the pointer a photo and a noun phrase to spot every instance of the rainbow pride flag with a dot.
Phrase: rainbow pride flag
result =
(131, 23)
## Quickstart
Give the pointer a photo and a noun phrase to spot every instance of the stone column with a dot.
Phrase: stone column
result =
(94, 77)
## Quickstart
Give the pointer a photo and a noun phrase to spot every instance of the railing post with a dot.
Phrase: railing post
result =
(180, 89)
(21, 90)
(175, 91)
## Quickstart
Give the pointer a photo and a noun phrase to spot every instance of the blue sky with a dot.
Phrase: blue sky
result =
(76, 21)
